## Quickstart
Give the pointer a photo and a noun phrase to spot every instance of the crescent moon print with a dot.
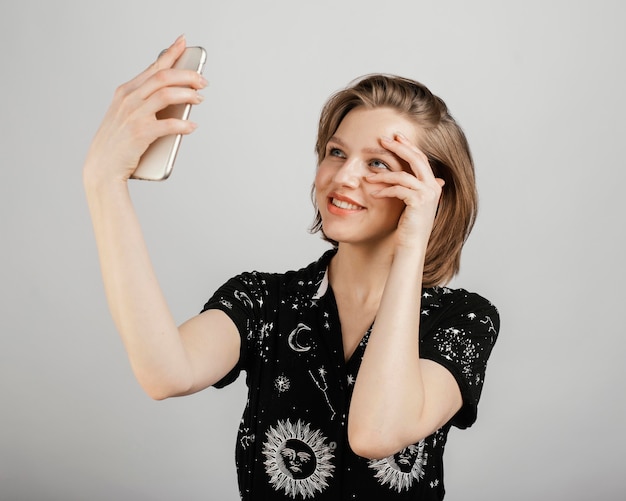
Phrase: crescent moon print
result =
(400, 471)
(298, 459)
(293, 339)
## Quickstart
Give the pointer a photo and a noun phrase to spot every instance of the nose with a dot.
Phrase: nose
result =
(349, 173)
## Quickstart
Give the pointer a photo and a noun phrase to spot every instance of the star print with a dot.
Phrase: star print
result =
(489, 322)
(455, 338)
(282, 383)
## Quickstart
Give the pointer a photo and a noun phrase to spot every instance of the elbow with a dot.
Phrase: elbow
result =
(383, 439)
(372, 444)
(160, 389)
(157, 394)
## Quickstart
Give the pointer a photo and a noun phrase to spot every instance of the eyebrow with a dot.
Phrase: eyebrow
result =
(371, 151)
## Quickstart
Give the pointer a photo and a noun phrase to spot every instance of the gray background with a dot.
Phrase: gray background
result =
(539, 89)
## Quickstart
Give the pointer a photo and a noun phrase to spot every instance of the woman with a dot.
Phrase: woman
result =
(358, 364)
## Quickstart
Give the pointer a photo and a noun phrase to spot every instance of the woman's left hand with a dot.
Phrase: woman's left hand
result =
(419, 189)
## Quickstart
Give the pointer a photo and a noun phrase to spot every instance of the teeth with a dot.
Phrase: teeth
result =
(344, 205)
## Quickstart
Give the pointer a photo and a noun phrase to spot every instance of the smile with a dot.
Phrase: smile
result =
(344, 205)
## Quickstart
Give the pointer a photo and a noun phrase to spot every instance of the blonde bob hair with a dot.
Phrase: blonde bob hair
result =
(443, 142)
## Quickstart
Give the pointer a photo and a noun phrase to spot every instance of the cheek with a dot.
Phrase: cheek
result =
(394, 209)
(318, 186)
(322, 177)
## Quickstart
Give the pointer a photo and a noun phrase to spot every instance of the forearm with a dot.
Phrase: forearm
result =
(135, 299)
(389, 395)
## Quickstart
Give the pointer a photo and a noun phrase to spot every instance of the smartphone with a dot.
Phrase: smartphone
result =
(158, 160)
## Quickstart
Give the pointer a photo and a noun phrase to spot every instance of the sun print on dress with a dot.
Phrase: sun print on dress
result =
(298, 459)
(399, 471)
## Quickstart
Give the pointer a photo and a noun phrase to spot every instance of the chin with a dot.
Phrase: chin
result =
(340, 235)
(358, 238)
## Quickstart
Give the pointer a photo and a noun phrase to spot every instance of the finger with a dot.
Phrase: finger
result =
(168, 56)
(411, 198)
(171, 78)
(171, 126)
(402, 178)
(165, 87)
(416, 158)
(422, 196)
(166, 59)
(170, 96)
(143, 132)
(405, 181)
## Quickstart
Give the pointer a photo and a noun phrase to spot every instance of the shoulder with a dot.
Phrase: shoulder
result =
(455, 310)
(449, 296)
(307, 276)
(451, 301)
(459, 332)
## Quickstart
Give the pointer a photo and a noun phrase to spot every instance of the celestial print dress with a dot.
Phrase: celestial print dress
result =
(292, 441)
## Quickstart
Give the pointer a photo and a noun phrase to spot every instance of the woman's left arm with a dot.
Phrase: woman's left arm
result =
(399, 398)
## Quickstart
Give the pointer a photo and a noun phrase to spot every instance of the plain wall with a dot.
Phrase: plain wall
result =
(538, 87)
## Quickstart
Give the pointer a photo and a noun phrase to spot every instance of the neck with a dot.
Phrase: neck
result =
(359, 273)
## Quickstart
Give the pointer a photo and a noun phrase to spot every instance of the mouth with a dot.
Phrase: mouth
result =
(344, 203)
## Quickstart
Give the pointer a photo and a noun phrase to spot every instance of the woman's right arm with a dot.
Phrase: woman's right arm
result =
(166, 360)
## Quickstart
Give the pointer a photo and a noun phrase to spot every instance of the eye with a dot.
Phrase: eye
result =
(379, 164)
(335, 152)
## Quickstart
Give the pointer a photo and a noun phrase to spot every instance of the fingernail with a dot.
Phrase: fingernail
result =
(400, 135)
(387, 139)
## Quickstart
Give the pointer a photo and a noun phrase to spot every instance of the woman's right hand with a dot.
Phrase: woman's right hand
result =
(130, 124)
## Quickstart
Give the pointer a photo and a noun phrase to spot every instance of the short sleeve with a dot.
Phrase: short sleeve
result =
(240, 298)
(461, 338)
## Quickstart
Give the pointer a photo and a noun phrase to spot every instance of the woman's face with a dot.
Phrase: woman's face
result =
(349, 212)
